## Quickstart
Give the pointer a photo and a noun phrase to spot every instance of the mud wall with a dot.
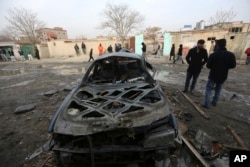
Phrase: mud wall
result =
(66, 47)
(236, 42)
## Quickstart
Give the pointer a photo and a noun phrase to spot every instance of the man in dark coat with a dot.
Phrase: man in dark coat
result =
(219, 63)
(110, 49)
(83, 48)
(37, 53)
(196, 58)
(90, 55)
(144, 49)
(172, 52)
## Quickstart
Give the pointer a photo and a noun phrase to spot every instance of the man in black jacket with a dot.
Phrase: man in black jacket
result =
(196, 58)
(144, 49)
(219, 63)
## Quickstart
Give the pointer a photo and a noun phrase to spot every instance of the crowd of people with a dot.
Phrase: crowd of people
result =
(10, 55)
(219, 61)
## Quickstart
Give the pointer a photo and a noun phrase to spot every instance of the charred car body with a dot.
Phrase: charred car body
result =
(118, 115)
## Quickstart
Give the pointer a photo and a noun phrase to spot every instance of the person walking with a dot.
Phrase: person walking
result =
(144, 49)
(196, 59)
(100, 49)
(172, 52)
(179, 55)
(83, 48)
(248, 56)
(91, 55)
(219, 64)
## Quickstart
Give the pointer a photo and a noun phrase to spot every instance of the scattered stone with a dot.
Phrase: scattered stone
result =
(188, 117)
(24, 108)
(50, 93)
(1, 113)
(68, 88)
(233, 96)
(220, 162)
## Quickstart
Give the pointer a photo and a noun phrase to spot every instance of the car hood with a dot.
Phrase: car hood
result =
(90, 108)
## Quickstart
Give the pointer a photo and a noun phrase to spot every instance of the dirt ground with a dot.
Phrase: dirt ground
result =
(27, 82)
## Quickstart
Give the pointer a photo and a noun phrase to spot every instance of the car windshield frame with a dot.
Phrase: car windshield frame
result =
(118, 68)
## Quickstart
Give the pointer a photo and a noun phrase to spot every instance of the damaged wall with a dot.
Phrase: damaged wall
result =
(236, 42)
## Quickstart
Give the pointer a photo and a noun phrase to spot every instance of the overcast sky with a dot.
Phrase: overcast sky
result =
(82, 17)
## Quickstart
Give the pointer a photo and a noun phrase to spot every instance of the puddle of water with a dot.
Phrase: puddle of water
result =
(67, 71)
(12, 72)
(19, 84)
(61, 67)
(169, 77)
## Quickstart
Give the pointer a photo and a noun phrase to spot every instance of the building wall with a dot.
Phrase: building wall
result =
(10, 45)
(43, 51)
(61, 48)
(43, 33)
(238, 45)
(236, 42)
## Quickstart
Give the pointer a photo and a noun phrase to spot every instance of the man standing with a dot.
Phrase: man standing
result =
(21, 54)
(12, 55)
(172, 52)
(211, 50)
(77, 49)
(158, 51)
(248, 56)
(144, 49)
(196, 58)
(110, 49)
(219, 63)
(3, 54)
(37, 53)
(100, 49)
(83, 48)
(30, 57)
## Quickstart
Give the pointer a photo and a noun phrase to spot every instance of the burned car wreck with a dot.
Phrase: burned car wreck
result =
(117, 115)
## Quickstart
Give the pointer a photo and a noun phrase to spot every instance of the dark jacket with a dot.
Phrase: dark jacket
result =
(144, 47)
(110, 49)
(83, 46)
(219, 63)
(179, 51)
(172, 52)
(196, 59)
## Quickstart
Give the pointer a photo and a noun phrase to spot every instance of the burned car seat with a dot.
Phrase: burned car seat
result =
(107, 72)
(133, 70)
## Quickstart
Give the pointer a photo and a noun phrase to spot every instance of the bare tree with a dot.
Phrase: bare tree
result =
(222, 16)
(152, 32)
(24, 22)
(8, 35)
(121, 19)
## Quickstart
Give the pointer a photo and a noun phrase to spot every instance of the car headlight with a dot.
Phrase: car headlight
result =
(160, 138)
